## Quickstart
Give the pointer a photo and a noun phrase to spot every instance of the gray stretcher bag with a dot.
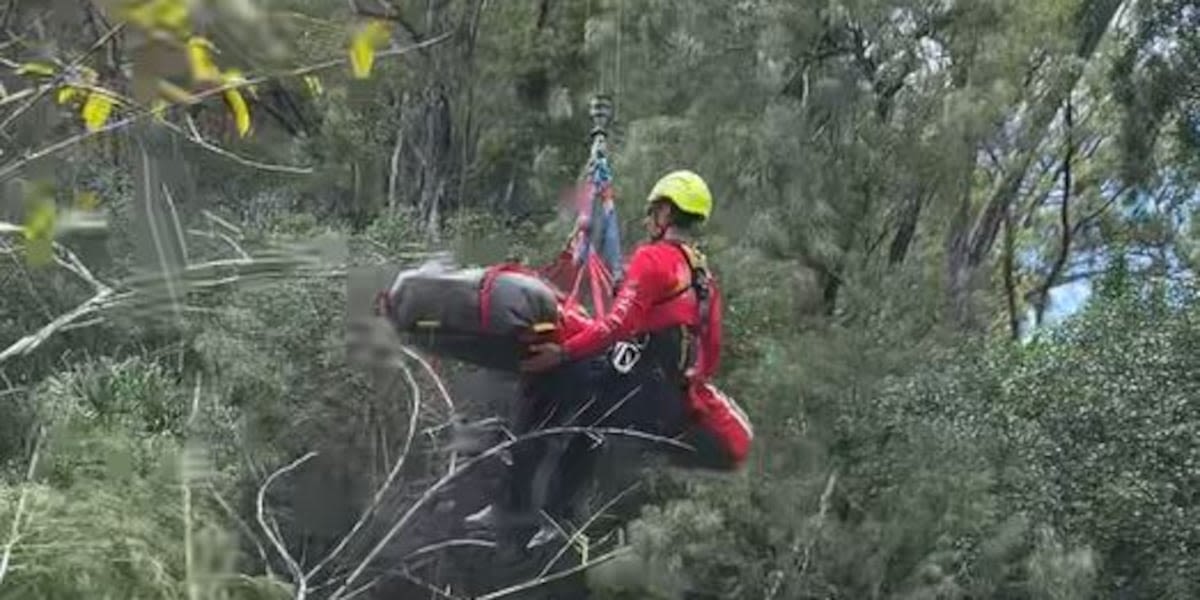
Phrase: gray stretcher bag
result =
(440, 310)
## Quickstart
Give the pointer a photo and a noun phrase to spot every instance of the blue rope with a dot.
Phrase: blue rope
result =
(603, 226)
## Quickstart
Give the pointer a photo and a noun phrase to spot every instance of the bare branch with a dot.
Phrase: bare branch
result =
(1010, 285)
(415, 411)
(43, 90)
(276, 541)
(579, 532)
(8, 170)
(224, 504)
(228, 240)
(495, 450)
(1064, 217)
(14, 535)
(76, 266)
(394, 171)
(1103, 208)
(193, 135)
(805, 555)
(521, 587)
(28, 343)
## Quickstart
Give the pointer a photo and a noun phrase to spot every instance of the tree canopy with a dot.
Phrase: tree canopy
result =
(957, 242)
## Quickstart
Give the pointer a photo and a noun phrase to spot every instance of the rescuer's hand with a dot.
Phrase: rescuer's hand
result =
(543, 357)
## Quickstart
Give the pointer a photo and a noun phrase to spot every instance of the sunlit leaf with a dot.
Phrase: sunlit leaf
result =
(66, 93)
(158, 108)
(200, 60)
(170, 15)
(235, 77)
(36, 69)
(314, 85)
(241, 113)
(96, 110)
(362, 48)
(39, 229)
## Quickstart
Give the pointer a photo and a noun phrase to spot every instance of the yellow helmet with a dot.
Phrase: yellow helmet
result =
(686, 190)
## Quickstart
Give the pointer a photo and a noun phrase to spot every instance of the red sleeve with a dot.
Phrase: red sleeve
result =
(646, 280)
(572, 319)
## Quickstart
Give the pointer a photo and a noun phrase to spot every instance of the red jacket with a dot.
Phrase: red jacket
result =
(655, 295)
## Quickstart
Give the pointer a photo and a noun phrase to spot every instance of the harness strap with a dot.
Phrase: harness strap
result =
(489, 282)
(699, 284)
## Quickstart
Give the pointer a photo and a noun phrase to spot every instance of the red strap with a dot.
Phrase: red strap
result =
(489, 281)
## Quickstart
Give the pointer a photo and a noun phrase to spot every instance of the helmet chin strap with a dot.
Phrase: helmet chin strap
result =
(660, 232)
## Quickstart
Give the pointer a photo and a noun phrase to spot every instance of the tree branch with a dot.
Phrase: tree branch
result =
(415, 411)
(495, 450)
(540, 581)
(273, 536)
(58, 79)
(1010, 286)
(1064, 217)
(14, 535)
(9, 169)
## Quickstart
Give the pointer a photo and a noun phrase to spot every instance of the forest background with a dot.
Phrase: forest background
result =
(957, 243)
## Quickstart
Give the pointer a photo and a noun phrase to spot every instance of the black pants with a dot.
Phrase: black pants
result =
(549, 472)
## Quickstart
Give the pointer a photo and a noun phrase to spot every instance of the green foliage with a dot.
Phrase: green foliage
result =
(861, 153)
(105, 512)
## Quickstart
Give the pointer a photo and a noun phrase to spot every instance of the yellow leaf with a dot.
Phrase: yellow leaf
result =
(39, 230)
(171, 15)
(200, 59)
(36, 69)
(364, 44)
(241, 114)
(157, 108)
(235, 77)
(314, 85)
(96, 110)
(86, 200)
(66, 93)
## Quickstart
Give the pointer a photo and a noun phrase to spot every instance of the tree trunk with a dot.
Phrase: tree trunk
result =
(969, 248)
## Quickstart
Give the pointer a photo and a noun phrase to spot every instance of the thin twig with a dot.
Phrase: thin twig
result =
(777, 576)
(15, 529)
(521, 587)
(76, 266)
(448, 544)
(27, 344)
(1064, 250)
(441, 387)
(193, 135)
(228, 240)
(245, 527)
(579, 532)
(61, 76)
(7, 171)
(234, 229)
(185, 488)
(301, 582)
(479, 459)
(391, 477)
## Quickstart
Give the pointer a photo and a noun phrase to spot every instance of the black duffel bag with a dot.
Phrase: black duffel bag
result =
(482, 316)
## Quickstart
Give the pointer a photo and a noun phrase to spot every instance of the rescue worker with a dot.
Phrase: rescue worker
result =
(644, 365)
